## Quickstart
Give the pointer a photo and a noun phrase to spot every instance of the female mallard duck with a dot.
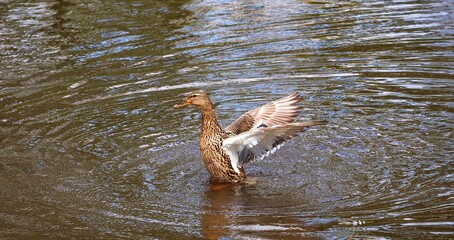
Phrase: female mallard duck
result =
(255, 135)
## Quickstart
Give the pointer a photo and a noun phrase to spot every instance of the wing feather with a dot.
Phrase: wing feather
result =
(278, 112)
(261, 142)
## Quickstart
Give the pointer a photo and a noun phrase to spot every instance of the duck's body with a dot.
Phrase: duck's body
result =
(254, 135)
(216, 158)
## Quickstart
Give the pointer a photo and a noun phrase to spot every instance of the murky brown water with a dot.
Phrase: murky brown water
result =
(91, 147)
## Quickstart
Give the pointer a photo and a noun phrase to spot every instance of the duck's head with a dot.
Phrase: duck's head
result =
(198, 98)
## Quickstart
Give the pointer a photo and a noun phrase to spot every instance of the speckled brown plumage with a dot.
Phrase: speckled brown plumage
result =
(254, 135)
(215, 158)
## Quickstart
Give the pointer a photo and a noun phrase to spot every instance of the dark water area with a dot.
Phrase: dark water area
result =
(91, 147)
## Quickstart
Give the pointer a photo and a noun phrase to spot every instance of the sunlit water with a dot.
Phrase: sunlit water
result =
(91, 147)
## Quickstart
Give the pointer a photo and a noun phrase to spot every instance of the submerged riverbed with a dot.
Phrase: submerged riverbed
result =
(92, 148)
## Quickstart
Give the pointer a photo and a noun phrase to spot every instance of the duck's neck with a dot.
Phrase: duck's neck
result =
(210, 122)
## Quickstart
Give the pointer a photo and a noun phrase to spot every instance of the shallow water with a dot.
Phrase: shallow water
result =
(91, 147)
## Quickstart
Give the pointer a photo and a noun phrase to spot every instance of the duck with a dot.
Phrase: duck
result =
(253, 136)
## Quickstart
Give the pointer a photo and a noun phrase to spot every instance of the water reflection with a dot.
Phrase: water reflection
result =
(35, 35)
(92, 148)
(215, 219)
(238, 210)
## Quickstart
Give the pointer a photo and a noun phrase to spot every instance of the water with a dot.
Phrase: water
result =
(92, 148)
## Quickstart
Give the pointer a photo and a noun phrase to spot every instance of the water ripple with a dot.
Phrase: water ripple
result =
(92, 146)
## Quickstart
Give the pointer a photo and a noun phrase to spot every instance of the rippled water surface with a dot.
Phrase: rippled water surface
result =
(91, 147)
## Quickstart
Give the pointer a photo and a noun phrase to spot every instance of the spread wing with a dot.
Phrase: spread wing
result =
(279, 112)
(261, 142)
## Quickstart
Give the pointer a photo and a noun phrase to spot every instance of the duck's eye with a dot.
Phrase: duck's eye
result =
(193, 96)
